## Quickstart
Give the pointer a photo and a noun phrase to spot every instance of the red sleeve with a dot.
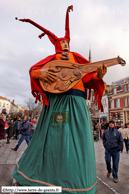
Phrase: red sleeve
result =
(36, 89)
(41, 63)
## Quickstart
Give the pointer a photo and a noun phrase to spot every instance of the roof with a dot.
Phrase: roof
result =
(119, 81)
(14, 104)
(3, 98)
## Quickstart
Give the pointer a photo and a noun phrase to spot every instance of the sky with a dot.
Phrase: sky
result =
(102, 25)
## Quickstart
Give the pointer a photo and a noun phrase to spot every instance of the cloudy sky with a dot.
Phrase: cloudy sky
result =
(102, 25)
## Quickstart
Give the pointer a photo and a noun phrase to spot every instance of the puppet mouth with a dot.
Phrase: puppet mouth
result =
(66, 48)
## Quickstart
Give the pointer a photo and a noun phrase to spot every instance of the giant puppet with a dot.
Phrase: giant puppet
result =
(61, 152)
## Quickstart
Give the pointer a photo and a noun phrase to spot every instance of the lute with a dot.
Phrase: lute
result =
(68, 74)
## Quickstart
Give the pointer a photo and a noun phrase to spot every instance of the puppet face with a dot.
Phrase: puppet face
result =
(64, 45)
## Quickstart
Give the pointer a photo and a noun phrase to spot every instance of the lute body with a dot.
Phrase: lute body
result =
(68, 73)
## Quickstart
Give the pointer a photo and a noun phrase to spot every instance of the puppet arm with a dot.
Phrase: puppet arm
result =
(43, 74)
(101, 71)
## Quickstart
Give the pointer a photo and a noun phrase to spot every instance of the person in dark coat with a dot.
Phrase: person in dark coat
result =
(2, 124)
(113, 144)
(18, 126)
(4, 112)
(7, 120)
(25, 132)
(106, 125)
(10, 130)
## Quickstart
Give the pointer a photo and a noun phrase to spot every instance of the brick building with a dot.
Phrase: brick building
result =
(95, 113)
(119, 101)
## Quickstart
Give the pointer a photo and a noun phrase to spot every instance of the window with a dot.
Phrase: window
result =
(114, 90)
(125, 88)
(112, 104)
(3, 104)
(128, 87)
(126, 101)
(117, 103)
(118, 116)
(0, 103)
(113, 116)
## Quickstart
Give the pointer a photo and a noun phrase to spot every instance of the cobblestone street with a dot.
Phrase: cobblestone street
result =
(9, 158)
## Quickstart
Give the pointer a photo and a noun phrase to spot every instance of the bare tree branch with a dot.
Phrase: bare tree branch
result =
(30, 105)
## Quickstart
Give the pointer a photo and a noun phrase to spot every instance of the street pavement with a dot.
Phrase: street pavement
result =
(9, 159)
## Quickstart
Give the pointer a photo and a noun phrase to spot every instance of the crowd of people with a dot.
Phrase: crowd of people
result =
(16, 128)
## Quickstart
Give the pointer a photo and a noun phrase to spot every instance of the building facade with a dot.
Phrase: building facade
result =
(14, 108)
(105, 102)
(21, 109)
(5, 104)
(119, 101)
(96, 114)
(105, 114)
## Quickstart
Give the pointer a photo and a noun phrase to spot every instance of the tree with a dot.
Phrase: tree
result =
(30, 105)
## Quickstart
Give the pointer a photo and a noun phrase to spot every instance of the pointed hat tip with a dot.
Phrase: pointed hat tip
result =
(70, 8)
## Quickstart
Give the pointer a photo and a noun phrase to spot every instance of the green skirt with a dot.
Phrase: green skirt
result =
(61, 152)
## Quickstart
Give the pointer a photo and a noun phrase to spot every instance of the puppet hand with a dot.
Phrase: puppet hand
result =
(101, 71)
(47, 76)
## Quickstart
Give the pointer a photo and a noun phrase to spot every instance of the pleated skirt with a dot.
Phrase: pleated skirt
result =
(61, 152)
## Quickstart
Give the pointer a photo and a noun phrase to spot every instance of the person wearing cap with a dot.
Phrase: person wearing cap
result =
(62, 153)
(113, 144)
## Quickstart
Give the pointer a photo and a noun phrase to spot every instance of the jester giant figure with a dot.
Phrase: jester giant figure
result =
(61, 152)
